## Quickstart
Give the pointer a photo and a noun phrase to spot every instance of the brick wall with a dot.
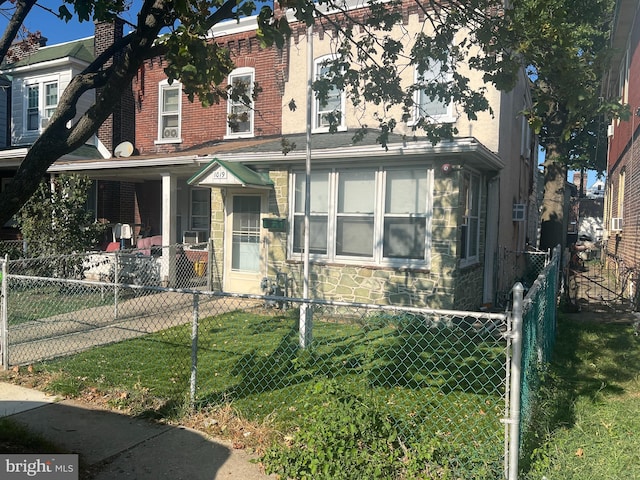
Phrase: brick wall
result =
(26, 47)
(120, 126)
(202, 125)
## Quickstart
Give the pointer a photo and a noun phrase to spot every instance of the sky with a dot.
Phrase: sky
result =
(56, 30)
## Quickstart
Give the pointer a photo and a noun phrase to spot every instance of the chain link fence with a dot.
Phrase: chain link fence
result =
(601, 283)
(532, 351)
(517, 266)
(180, 265)
(435, 374)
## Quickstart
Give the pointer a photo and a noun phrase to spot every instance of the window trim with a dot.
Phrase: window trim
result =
(315, 128)
(41, 108)
(207, 209)
(379, 215)
(471, 258)
(239, 72)
(162, 87)
(448, 117)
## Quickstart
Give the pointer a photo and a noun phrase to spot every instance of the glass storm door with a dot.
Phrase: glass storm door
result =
(244, 266)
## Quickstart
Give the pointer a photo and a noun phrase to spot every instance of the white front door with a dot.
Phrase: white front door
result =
(244, 259)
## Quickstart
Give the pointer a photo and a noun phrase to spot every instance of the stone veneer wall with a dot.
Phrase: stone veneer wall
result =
(217, 237)
(442, 286)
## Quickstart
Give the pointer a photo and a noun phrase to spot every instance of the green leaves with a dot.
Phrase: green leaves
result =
(55, 221)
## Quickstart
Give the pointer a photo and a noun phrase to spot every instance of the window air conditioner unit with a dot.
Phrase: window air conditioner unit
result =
(170, 132)
(518, 214)
(616, 224)
(194, 237)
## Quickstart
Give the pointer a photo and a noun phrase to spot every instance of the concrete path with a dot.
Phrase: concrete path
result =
(115, 447)
(64, 334)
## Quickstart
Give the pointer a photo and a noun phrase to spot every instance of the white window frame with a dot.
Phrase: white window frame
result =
(207, 209)
(317, 126)
(295, 245)
(43, 110)
(163, 129)
(472, 213)
(232, 105)
(446, 117)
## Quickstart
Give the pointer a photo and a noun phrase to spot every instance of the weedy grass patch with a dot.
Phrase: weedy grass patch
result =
(589, 422)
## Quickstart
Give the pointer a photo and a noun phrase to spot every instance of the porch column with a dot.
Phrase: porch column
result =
(169, 215)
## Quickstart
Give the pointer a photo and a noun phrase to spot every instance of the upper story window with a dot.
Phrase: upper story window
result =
(428, 105)
(329, 111)
(470, 227)
(42, 101)
(170, 106)
(379, 216)
(240, 105)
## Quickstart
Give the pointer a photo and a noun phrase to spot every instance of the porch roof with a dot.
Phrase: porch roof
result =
(265, 152)
(218, 173)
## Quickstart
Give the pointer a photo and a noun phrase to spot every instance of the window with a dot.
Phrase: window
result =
(470, 228)
(319, 215)
(372, 215)
(33, 110)
(429, 107)
(405, 214)
(42, 101)
(329, 111)
(50, 99)
(200, 209)
(170, 112)
(240, 104)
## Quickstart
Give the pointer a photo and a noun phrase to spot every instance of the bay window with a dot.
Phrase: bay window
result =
(378, 216)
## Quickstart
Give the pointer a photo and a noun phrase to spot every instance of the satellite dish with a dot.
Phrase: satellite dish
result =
(125, 149)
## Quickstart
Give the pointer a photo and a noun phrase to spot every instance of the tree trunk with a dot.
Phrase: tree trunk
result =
(553, 229)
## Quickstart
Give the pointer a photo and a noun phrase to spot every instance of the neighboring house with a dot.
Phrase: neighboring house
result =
(31, 87)
(622, 83)
(416, 223)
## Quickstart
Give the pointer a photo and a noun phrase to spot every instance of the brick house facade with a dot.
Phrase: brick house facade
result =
(622, 82)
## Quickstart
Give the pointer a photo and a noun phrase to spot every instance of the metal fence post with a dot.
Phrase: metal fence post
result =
(194, 352)
(4, 320)
(514, 390)
(116, 279)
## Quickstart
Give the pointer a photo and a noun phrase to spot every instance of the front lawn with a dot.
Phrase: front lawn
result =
(428, 380)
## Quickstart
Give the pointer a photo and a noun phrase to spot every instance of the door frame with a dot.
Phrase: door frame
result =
(232, 278)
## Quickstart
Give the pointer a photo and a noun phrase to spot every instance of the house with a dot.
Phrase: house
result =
(33, 77)
(622, 83)
(415, 223)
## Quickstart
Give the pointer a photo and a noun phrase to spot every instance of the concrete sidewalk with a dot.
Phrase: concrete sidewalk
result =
(118, 447)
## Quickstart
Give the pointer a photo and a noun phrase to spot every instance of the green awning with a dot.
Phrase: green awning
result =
(219, 174)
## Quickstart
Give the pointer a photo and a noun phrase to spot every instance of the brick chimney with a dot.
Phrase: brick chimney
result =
(120, 126)
(26, 47)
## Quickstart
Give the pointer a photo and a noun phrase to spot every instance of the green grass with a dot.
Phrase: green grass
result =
(592, 405)
(27, 304)
(430, 381)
